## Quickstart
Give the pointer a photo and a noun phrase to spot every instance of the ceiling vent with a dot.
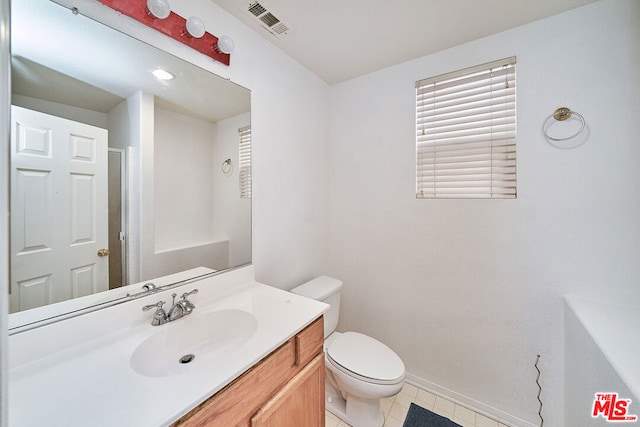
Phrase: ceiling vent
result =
(267, 19)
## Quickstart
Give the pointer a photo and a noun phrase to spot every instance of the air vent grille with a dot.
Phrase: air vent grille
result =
(280, 28)
(257, 9)
(268, 19)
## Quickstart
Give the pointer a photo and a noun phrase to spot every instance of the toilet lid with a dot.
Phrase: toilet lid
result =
(366, 357)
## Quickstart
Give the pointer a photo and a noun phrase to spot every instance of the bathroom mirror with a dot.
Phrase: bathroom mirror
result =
(117, 176)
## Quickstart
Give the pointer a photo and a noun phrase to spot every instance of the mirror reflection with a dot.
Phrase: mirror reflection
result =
(117, 176)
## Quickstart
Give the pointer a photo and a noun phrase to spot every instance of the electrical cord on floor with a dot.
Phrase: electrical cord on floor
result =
(539, 390)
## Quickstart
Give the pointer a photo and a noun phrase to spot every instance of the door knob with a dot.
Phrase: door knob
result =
(103, 252)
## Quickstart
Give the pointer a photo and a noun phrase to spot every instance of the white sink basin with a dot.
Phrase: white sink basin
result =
(177, 347)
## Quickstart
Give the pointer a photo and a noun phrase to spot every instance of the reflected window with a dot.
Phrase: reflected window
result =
(245, 162)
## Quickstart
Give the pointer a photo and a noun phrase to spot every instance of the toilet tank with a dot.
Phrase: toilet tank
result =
(327, 290)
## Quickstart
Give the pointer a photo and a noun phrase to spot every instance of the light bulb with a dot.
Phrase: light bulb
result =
(225, 44)
(159, 8)
(195, 27)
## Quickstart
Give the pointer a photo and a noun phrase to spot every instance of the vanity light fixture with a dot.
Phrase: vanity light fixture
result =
(225, 45)
(159, 8)
(163, 75)
(157, 14)
(195, 27)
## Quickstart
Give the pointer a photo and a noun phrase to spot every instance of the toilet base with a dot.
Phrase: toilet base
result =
(354, 411)
(334, 403)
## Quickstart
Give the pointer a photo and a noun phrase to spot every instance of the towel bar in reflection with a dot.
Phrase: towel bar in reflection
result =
(226, 167)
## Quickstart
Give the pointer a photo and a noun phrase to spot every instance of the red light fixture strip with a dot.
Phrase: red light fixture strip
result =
(173, 26)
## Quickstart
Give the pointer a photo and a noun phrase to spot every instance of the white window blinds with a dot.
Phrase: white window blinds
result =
(244, 162)
(466, 133)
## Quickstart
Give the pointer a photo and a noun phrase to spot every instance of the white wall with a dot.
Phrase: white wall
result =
(126, 132)
(183, 180)
(231, 214)
(469, 291)
(81, 115)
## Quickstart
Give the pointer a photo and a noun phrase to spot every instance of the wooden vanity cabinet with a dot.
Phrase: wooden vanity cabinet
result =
(285, 389)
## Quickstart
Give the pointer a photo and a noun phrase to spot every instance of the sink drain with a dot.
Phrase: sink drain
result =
(187, 358)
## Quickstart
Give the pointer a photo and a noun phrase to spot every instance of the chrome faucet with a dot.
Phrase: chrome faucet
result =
(178, 309)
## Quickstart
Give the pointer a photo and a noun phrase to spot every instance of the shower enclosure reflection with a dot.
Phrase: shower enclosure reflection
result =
(151, 200)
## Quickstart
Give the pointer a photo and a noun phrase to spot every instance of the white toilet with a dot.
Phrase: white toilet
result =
(360, 369)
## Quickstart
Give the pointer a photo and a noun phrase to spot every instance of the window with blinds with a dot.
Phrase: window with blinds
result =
(466, 133)
(244, 162)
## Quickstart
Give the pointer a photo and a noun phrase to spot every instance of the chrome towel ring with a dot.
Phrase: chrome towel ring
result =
(562, 114)
(226, 167)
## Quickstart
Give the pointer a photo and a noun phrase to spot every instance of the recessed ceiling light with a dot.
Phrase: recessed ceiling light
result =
(161, 74)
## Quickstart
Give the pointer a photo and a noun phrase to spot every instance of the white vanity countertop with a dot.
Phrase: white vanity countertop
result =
(614, 328)
(92, 382)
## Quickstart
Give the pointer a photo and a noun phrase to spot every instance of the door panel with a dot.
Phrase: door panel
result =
(31, 229)
(58, 209)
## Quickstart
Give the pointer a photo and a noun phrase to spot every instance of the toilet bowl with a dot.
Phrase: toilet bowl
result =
(360, 370)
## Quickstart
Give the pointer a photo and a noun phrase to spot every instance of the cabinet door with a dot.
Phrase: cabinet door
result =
(246, 394)
(299, 403)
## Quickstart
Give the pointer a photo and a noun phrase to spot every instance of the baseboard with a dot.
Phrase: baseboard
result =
(474, 405)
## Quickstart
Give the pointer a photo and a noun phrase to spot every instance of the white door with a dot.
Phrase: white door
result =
(58, 209)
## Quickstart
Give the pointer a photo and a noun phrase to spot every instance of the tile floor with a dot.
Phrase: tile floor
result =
(395, 410)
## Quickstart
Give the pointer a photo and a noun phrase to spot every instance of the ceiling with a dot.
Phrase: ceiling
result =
(342, 39)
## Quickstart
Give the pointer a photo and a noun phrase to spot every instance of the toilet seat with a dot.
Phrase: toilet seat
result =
(365, 358)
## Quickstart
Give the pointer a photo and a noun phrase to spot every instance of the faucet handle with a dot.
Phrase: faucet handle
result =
(159, 305)
(159, 316)
(186, 304)
(186, 294)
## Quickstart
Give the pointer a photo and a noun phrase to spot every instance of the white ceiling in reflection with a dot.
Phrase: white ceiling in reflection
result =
(62, 57)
